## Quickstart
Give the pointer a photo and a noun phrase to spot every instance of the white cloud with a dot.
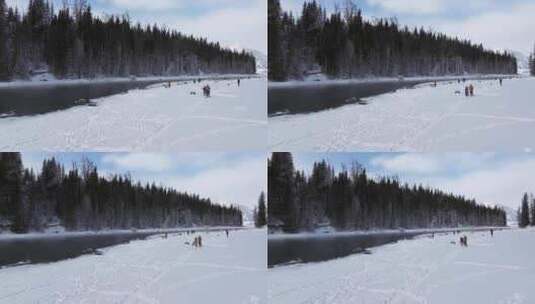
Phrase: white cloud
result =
(238, 183)
(504, 29)
(414, 163)
(410, 6)
(488, 178)
(152, 5)
(151, 162)
(244, 27)
(408, 163)
(503, 185)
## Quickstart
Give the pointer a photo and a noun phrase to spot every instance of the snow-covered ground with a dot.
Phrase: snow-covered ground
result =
(157, 270)
(421, 119)
(499, 269)
(156, 119)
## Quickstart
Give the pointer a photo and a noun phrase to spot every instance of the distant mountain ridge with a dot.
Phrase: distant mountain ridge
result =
(522, 61)
(261, 61)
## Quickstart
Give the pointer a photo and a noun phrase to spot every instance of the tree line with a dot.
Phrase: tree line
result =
(526, 212)
(73, 43)
(79, 199)
(345, 45)
(351, 200)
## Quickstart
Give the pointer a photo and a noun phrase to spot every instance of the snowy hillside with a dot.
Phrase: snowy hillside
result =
(522, 61)
(158, 270)
(248, 215)
(261, 61)
(511, 216)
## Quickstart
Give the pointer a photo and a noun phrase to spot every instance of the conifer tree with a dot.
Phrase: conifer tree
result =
(4, 60)
(260, 212)
(523, 220)
(532, 211)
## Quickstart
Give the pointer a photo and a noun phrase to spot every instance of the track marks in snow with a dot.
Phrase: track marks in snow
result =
(421, 119)
(419, 271)
(149, 120)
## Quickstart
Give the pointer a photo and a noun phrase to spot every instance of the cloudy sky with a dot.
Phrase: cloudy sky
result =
(234, 23)
(489, 178)
(235, 178)
(498, 24)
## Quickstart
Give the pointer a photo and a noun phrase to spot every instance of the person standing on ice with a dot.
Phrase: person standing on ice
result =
(501, 81)
(466, 91)
(206, 91)
(471, 90)
(238, 82)
(491, 232)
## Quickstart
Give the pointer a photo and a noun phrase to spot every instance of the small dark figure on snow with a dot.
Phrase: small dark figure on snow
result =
(466, 91)
(239, 82)
(501, 81)
(206, 91)
(226, 231)
(471, 90)
(197, 241)
(491, 232)
(464, 241)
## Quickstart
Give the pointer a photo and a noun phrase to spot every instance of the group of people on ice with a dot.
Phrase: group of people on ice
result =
(469, 90)
(197, 241)
(463, 240)
(207, 90)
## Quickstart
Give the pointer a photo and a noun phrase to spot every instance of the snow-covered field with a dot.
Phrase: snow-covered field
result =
(421, 119)
(157, 119)
(499, 269)
(157, 270)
